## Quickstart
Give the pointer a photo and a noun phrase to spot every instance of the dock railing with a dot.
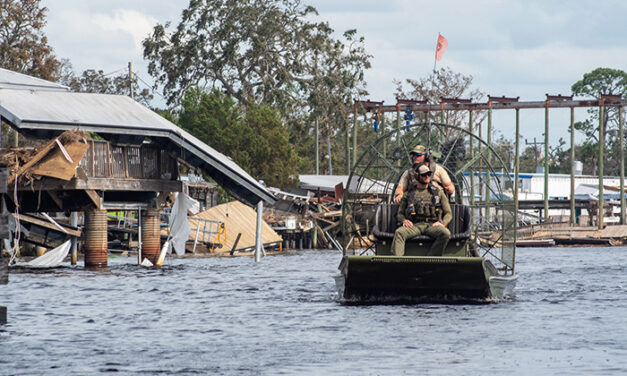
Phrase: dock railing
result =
(207, 231)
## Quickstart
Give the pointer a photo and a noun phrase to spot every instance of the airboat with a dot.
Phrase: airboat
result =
(478, 262)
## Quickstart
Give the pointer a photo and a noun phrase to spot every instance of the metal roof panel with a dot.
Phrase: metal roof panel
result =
(29, 110)
(15, 80)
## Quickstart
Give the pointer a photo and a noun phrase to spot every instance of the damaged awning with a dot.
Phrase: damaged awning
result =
(121, 119)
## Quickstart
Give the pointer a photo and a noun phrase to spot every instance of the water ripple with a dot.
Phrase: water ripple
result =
(231, 316)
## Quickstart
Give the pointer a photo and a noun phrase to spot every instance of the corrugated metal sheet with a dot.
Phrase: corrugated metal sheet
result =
(324, 182)
(14, 80)
(34, 110)
(328, 182)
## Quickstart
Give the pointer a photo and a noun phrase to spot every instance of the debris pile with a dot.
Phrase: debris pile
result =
(315, 222)
(58, 158)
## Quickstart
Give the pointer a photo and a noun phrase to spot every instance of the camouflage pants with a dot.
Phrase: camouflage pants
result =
(441, 234)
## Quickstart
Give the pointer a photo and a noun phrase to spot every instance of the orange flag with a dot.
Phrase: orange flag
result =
(441, 47)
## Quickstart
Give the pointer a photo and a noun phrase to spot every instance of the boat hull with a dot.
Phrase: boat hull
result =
(421, 278)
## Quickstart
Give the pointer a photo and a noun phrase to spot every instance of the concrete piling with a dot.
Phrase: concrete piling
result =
(96, 238)
(150, 235)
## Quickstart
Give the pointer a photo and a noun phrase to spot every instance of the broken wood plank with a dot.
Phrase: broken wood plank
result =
(39, 156)
(330, 227)
(80, 173)
(335, 213)
(107, 184)
(322, 237)
(235, 243)
(327, 221)
(56, 164)
(55, 223)
(48, 225)
(53, 195)
(95, 198)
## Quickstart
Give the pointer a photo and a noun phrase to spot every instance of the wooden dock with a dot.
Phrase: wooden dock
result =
(564, 234)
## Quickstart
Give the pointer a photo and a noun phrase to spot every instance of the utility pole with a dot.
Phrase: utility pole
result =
(535, 149)
(329, 154)
(602, 125)
(546, 161)
(317, 148)
(130, 79)
(621, 137)
(573, 220)
(601, 156)
(472, 172)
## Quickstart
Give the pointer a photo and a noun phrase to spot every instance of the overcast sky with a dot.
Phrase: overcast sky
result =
(523, 48)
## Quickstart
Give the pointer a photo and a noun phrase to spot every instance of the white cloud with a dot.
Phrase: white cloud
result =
(511, 47)
(137, 24)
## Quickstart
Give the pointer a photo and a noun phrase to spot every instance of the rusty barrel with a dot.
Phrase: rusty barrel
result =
(151, 236)
(96, 238)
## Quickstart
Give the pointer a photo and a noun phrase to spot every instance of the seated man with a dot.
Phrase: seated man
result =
(424, 209)
(440, 176)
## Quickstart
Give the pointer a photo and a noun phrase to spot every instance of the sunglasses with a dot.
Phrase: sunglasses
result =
(426, 174)
(416, 154)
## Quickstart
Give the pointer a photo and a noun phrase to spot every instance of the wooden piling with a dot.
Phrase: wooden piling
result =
(4, 271)
(4, 279)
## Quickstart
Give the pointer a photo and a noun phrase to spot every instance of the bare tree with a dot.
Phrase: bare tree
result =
(443, 83)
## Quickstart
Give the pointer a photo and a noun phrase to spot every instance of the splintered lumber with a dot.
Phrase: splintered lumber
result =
(39, 156)
(237, 218)
(322, 237)
(335, 213)
(57, 165)
(29, 219)
(235, 244)
(68, 146)
(331, 226)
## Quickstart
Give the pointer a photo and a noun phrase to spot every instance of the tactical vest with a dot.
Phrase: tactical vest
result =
(424, 209)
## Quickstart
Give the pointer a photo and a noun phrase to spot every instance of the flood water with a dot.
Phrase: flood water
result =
(231, 316)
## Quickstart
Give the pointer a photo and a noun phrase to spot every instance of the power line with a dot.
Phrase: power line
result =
(114, 72)
(149, 86)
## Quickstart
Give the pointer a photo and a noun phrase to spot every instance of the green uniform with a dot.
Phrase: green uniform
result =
(430, 205)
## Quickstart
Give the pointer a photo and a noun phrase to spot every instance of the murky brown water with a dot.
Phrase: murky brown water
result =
(280, 317)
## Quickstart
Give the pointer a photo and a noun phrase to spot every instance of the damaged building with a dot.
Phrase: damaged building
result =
(91, 154)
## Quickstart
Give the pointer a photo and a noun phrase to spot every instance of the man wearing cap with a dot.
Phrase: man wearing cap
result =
(440, 177)
(424, 209)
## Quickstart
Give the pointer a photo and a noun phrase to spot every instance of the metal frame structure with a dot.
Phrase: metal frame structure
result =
(505, 103)
(493, 217)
